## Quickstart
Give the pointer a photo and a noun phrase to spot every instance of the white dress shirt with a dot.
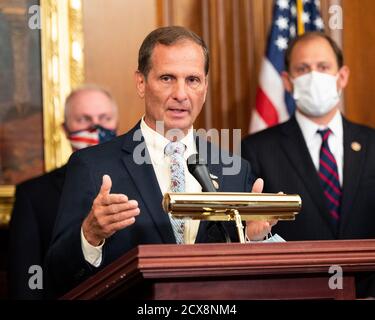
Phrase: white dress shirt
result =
(314, 140)
(156, 144)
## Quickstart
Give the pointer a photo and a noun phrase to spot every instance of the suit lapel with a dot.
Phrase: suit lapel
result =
(355, 144)
(145, 180)
(295, 148)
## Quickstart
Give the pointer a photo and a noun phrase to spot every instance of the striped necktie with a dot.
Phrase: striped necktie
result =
(329, 177)
(175, 150)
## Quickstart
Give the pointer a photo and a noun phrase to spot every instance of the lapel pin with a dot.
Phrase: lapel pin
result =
(356, 146)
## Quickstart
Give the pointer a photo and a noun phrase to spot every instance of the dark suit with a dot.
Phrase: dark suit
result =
(31, 226)
(65, 261)
(280, 156)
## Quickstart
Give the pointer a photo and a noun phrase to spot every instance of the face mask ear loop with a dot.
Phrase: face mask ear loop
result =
(339, 91)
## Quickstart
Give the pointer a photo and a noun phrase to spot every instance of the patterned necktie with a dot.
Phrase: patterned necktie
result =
(329, 177)
(175, 150)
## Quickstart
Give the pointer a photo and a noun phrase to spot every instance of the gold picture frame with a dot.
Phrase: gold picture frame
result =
(62, 70)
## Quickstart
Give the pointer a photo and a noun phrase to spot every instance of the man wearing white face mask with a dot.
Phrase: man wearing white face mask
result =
(90, 118)
(316, 93)
(318, 154)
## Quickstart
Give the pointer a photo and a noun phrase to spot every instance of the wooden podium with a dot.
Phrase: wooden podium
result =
(291, 270)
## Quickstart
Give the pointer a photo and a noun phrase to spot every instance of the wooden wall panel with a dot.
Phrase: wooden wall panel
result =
(113, 32)
(236, 32)
(359, 50)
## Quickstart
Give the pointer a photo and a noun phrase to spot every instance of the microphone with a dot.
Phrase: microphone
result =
(198, 168)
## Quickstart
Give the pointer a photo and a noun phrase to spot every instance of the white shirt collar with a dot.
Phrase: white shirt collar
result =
(309, 128)
(156, 142)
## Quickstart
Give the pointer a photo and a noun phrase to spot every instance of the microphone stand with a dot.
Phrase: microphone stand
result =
(237, 217)
(198, 168)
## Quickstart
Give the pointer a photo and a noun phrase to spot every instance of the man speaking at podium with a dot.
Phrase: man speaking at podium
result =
(112, 198)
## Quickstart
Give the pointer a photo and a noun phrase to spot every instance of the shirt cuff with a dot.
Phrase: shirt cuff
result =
(93, 255)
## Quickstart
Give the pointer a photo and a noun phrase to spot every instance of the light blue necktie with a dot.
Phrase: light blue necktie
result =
(175, 150)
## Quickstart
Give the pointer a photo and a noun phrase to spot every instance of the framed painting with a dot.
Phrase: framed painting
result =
(41, 60)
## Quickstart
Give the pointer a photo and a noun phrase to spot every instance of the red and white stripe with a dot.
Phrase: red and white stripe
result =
(270, 104)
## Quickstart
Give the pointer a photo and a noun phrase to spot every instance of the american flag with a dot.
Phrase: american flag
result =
(84, 138)
(290, 18)
(90, 137)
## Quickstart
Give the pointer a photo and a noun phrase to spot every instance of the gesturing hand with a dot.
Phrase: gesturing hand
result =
(109, 213)
(257, 230)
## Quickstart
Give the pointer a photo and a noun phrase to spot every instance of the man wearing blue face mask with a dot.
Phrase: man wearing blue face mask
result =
(318, 154)
(90, 118)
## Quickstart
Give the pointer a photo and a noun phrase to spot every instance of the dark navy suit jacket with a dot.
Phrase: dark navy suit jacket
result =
(31, 226)
(280, 156)
(65, 263)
